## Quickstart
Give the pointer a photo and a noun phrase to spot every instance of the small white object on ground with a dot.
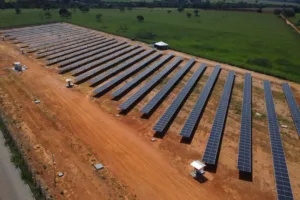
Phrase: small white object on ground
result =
(258, 114)
(153, 139)
(284, 126)
(36, 101)
(117, 115)
(98, 166)
(60, 174)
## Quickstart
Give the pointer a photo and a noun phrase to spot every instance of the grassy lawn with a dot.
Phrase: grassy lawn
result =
(295, 20)
(260, 42)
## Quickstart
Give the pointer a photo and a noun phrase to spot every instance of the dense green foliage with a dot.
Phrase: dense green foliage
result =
(255, 41)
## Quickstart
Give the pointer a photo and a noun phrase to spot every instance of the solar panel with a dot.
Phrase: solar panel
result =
(67, 59)
(283, 186)
(147, 72)
(245, 146)
(175, 106)
(71, 48)
(95, 63)
(147, 87)
(108, 65)
(198, 108)
(215, 137)
(292, 105)
(124, 65)
(159, 97)
(93, 58)
(104, 88)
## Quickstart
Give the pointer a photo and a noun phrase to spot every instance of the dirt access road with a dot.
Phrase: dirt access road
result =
(69, 125)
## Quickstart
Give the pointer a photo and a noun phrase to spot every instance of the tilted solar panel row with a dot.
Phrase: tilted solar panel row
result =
(103, 60)
(73, 57)
(44, 40)
(89, 54)
(71, 48)
(245, 146)
(159, 97)
(147, 72)
(58, 44)
(67, 44)
(108, 65)
(283, 185)
(77, 48)
(194, 117)
(109, 85)
(166, 119)
(123, 48)
(41, 40)
(215, 137)
(292, 105)
(113, 71)
(147, 87)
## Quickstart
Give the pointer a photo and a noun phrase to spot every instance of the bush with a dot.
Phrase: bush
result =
(98, 17)
(277, 11)
(84, 9)
(196, 12)
(63, 12)
(189, 15)
(18, 11)
(140, 18)
(48, 15)
(288, 13)
(169, 11)
(262, 62)
(122, 9)
(180, 9)
(259, 10)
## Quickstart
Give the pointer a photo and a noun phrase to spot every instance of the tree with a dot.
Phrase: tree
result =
(18, 11)
(259, 10)
(196, 12)
(98, 17)
(180, 9)
(288, 12)
(122, 9)
(189, 15)
(140, 18)
(169, 11)
(277, 11)
(63, 12)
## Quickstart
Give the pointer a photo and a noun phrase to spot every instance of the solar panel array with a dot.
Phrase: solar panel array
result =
(194, 116)
(123, 76)
(245, 146)
(147, 72)
(101, 61)
(148, 108)
(107, 65)
(124, 65)
(283, 186)
(149, 85)
(175, 106)
(215, 137)
(73, 57)
(125, 48)
(292, 105)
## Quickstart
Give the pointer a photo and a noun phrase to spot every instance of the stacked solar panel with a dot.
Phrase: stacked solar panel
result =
(158, 98)
(283, 185)
(292, 105)
(175, 106)
(245, 146)
(194, 116)
(215, 137)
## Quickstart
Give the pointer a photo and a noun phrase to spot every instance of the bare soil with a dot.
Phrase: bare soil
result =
(81, 131)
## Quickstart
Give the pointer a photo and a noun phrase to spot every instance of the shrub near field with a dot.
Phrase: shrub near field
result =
(260, 42)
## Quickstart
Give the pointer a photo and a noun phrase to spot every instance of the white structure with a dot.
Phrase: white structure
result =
(161, 45)
(198, 168)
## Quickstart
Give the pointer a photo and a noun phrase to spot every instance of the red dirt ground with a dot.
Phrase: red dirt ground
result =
(80, 132)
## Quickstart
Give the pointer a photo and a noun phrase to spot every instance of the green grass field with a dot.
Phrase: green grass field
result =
(259, 42)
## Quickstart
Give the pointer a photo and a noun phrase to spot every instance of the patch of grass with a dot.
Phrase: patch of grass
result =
(259, 42)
